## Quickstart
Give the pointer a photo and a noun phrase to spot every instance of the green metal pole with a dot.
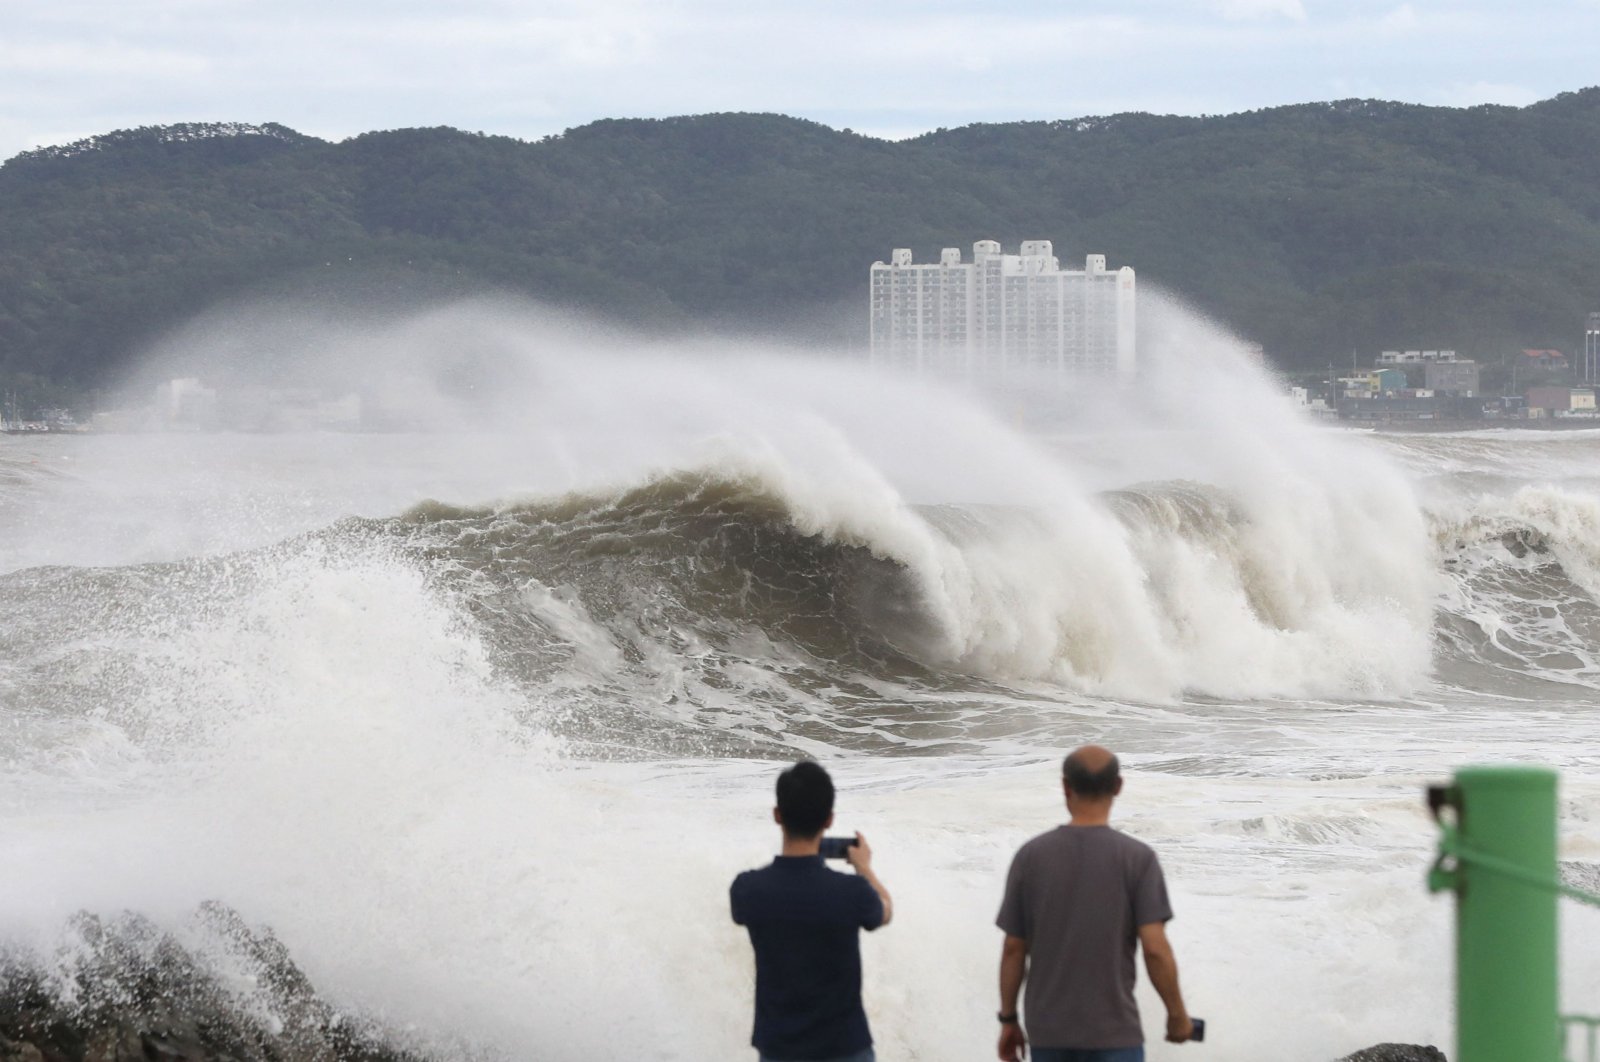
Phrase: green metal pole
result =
(1506, 996)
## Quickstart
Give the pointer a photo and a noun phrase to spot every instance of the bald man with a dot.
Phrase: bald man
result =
(1078, 899)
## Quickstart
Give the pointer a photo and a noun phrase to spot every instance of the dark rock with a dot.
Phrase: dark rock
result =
(125, 991)
(1396, 1053)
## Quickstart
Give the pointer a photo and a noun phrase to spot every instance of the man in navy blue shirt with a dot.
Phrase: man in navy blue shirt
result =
(804, 921)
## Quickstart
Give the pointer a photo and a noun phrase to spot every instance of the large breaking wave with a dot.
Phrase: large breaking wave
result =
(712, 606)
(1160, 590)
(486, 764)
(716, 601)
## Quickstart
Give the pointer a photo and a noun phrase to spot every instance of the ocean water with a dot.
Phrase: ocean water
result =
(482, 723)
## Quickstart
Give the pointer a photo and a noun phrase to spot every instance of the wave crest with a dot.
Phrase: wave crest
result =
(1147, 593)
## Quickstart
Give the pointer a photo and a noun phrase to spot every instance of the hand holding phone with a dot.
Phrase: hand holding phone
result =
(836, 847)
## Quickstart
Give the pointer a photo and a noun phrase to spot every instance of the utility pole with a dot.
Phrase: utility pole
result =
(1591, 348)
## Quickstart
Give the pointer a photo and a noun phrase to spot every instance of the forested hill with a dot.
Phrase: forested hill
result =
(1316, 229)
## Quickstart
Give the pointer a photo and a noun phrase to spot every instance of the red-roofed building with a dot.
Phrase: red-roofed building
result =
(1544, 359)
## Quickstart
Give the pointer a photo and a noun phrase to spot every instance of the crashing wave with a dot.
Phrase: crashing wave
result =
(124, 988)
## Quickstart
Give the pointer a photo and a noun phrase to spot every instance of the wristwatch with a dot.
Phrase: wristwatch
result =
(1006, 1019)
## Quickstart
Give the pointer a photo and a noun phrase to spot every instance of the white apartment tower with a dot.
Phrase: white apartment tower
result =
(1003, 318)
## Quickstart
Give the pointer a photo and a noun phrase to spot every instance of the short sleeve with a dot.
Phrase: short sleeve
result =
(1013, 916)
(736, 900)
(869, 911)
(1150, 902)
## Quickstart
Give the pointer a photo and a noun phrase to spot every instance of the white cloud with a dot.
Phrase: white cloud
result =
(531, 67)
(1402, 19)
(97, 59)
(1470, 95)
(596, 39)
(1248, 10)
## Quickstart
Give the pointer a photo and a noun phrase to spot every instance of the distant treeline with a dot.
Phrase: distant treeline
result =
(1315, 230)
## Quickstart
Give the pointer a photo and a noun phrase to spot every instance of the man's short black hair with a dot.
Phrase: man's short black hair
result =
(805, 799)
(1089, 783)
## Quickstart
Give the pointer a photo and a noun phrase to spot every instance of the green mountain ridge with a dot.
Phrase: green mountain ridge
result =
(1317, 230)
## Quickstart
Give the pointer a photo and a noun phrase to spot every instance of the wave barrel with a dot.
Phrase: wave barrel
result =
(1504, 879)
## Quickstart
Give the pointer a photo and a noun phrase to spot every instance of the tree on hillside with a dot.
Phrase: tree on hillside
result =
(1315, 229)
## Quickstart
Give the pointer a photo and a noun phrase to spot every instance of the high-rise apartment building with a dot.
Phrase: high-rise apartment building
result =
(1003, 318)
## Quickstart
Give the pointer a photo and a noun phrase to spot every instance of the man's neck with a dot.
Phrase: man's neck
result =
(802, 846)
(1097, 813)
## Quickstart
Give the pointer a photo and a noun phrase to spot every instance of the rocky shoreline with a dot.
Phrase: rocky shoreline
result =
(123, 990)
(1397, 1053)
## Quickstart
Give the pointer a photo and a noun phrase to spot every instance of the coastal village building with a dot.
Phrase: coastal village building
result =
(1415, 357)
(1543, 360)
(1561, 401)
(1353, 386)
(1451, 377)
(1445, 388)
(1387, 380)
(1442, 371)
(1003, 319)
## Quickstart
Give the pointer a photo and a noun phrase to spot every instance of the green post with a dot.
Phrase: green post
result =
(1506, 996)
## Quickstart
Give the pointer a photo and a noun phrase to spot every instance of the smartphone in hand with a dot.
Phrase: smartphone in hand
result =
(835, 847)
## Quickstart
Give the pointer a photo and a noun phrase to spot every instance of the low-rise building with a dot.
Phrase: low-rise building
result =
(1415, 357)
(1354, 386)
(1403, 407)
(1302, 398)
(1560, 400)
(1543, 359)
(1385, 380)
(1451, 377)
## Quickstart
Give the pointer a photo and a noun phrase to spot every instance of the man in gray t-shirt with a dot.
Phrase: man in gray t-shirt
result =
(1077, 899)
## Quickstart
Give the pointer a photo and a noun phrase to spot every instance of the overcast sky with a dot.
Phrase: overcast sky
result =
(335, 68)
